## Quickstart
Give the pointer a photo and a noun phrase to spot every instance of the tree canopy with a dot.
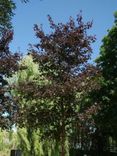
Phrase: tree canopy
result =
(108, 65)
(6, 13)
(62, 57)
(8, 65)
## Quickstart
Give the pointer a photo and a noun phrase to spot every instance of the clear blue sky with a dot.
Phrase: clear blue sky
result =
(36, 11)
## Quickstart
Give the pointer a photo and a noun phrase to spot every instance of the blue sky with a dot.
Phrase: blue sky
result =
(36, 11)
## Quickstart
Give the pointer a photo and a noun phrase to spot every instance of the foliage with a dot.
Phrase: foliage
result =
(29, 138)
(20, 140)
(8, 141)
(29, 142)
(62, 57)
(8, 65)
(8, 62)
(108, 65)
(7, 8)
(6, 13)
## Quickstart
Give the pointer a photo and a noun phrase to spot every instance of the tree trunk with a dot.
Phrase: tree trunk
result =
(63, 133)
(63, 137)
(31, 141)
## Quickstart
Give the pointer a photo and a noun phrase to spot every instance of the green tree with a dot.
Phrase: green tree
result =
(6, 13)
(30, 141)
(8, 141)
(29, 72)
(107, 96)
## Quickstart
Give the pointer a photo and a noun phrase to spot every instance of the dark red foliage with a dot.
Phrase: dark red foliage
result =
(8, 61)
(8, 65)
(63, 57)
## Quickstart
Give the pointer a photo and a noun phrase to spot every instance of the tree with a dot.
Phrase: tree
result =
(62, 57)
(7, 8)
(8, 141)
(6, 12)
(29, 138)
(8, 65)
(8, 61)
(28, 71)
(107, 62)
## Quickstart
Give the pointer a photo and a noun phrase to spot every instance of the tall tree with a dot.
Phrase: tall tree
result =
(107, 62)
(63, 58)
